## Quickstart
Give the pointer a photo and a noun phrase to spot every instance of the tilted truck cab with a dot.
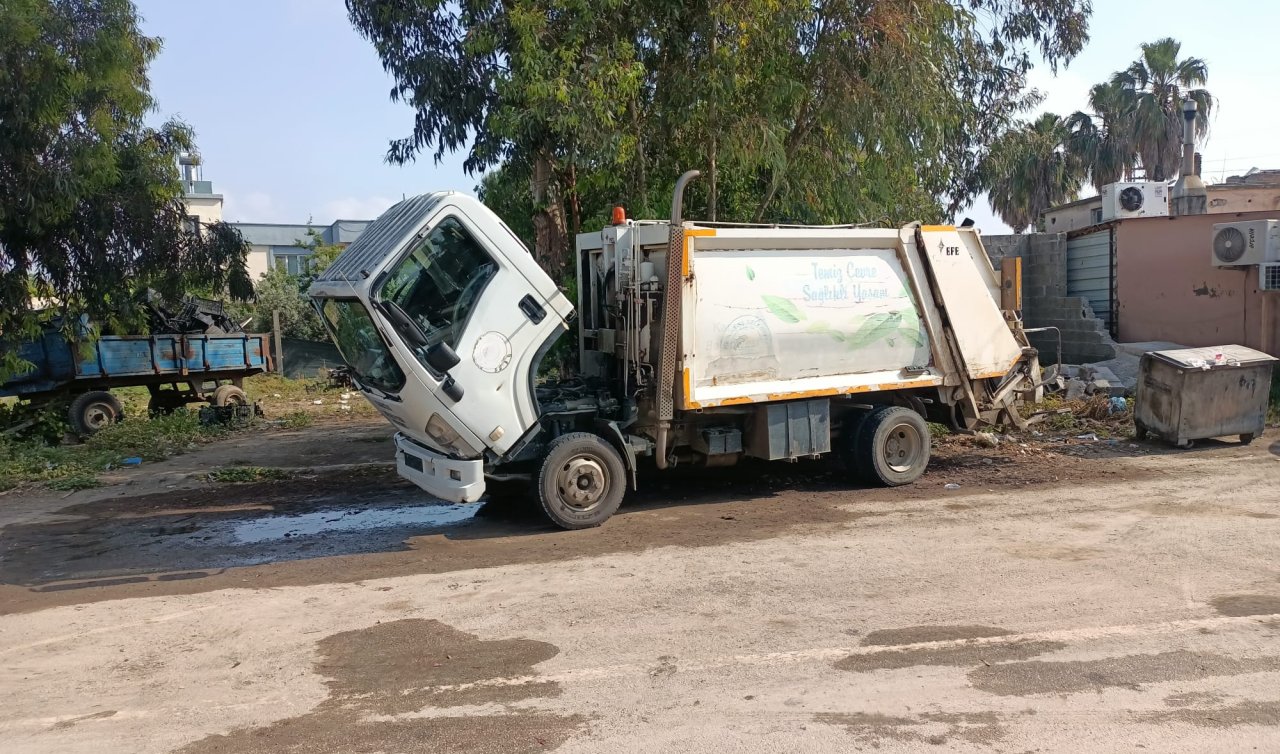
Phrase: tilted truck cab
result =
(698, 344)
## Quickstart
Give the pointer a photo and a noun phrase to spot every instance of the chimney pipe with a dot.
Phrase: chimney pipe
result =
(1189, 137)
(1188, 196)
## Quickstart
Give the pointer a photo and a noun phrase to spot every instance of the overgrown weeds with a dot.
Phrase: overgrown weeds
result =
(241, 474)
(71, 467)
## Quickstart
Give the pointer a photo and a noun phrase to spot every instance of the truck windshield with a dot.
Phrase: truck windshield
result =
(361, 346)
(440, 281)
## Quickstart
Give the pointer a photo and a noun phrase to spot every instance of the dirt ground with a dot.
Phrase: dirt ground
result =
(1069, 595)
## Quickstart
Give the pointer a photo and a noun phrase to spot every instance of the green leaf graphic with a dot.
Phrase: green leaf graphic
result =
(751, 274)
(912, 335)
(782, 308)
(875, 327)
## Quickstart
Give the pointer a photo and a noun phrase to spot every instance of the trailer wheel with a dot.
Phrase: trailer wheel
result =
(582, 481)
(892, 446)
(229, 395)
(93, 411)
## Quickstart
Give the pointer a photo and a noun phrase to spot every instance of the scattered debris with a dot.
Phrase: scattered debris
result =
(986, 439)
(951, 486)
(1091, 437)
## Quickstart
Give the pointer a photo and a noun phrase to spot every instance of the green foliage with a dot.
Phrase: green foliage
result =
(1031, 169)
(297, 420)
(820, 112)
(71, 467)
(278, 291)
(1154, 86)
(155, 439)
(242, 474)
(1104, 140)
(44, 423)
(90, 202)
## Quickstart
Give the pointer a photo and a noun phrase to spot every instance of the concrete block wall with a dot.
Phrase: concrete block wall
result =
(1045, 302)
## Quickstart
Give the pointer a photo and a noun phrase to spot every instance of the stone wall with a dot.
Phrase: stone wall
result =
(1045, 302)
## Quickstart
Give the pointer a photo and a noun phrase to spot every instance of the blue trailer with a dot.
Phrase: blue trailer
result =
(177, 369)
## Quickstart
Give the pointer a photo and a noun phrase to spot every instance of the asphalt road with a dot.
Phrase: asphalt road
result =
(1053, 603)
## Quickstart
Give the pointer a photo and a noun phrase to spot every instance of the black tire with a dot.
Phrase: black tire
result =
(93, 411)
(229, 395)
(582, 481)
(1140, 432)
(892, 447)
(1247, 438)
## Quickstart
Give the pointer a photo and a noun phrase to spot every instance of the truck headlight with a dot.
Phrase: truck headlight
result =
(446, 437)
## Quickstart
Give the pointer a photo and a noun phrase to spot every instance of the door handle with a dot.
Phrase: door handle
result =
(532, 309)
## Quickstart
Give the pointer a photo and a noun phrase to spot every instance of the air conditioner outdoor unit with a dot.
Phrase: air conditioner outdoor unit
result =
(1269, 276)
(1145, 199)
(1246, 243)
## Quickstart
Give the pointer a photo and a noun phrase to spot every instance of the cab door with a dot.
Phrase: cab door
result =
(470, 287)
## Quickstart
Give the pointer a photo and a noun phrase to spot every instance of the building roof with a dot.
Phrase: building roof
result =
(289, 234)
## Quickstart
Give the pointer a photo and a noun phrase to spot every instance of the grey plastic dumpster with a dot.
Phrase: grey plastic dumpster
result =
(1193, 393)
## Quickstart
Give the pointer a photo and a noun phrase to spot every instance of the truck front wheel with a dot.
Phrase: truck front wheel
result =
(892, 446)
(582, 481)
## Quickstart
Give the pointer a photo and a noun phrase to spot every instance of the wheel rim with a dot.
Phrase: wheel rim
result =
(582, 483)
(98, 415)
(234, 400)
(903, 448)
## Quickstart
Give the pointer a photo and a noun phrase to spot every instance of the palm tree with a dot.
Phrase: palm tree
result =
(1031, 169)
(1158, 81)
(1104, 139)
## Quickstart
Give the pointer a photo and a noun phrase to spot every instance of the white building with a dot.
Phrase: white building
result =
(269, 243)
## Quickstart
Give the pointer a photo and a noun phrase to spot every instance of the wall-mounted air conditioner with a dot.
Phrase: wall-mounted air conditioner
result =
(1245, 243)
(1144, 199)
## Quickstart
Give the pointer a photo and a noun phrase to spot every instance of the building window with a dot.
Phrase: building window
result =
(1095, 215)
(294, 264)
(192, 224)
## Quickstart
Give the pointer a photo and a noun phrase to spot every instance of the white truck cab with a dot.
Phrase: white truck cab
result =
(442, 313)
(698, 344)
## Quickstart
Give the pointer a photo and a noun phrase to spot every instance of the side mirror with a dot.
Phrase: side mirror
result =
(442, 358)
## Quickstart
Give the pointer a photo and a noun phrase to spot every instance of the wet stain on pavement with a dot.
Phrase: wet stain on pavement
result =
(934, 728)
(1243, 713)
(356, 524)
(189, 538)
(1127, 672)
(919, 634)
(1241, 605)
(391, 687)
(966, 654)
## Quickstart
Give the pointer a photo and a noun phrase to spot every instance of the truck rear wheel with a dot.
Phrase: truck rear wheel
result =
(892, 446)
(94, 410)
(582, 481)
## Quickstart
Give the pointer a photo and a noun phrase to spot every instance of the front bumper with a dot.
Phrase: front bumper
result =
(444, 477)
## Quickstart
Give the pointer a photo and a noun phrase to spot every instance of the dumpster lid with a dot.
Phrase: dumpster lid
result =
(1213, 356)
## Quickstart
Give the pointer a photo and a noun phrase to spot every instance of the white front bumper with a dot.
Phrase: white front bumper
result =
(446, 478)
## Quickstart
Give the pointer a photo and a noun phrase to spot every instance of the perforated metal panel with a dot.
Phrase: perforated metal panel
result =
(670, 325)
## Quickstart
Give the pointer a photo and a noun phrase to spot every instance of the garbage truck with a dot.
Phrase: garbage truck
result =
(699, 344)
